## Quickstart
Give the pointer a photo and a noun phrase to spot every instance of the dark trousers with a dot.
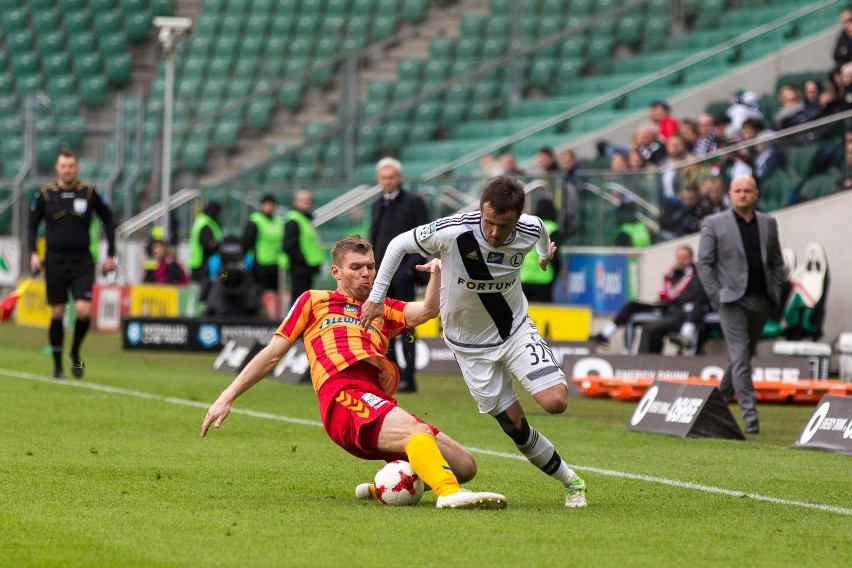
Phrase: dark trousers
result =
(631, 308)
(742, 324)
(403, 289)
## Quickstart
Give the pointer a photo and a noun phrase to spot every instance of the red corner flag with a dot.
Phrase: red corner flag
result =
(7, 306)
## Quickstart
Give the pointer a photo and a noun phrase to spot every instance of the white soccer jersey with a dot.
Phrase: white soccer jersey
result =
(481, 299)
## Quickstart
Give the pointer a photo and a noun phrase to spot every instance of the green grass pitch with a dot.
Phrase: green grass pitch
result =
(111, 471)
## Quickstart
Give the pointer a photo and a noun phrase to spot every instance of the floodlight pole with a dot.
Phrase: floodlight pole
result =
(170, 48)
(171, 31)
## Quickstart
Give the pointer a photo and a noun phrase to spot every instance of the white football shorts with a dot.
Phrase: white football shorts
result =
(488, 371)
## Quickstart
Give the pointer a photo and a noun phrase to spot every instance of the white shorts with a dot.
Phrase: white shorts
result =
(488, 372)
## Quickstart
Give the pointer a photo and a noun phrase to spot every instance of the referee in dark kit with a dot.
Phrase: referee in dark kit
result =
(66, 206)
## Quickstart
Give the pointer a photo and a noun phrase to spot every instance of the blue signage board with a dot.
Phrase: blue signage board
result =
(600, 281)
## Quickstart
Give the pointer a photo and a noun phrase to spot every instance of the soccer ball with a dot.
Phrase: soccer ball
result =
(397, 484)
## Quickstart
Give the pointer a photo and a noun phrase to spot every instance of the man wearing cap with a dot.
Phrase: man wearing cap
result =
(659, 113)
(263, 238)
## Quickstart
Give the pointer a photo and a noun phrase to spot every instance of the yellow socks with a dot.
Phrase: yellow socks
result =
(426, 459)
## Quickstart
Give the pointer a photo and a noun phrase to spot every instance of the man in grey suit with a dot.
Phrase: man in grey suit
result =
(742, 270)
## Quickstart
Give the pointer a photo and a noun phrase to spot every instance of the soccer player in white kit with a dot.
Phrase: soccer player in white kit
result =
(484, 315)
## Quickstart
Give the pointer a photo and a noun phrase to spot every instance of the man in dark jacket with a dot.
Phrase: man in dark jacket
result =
(395, 212)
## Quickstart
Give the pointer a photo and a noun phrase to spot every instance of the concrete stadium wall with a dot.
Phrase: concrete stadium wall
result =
(825, 221)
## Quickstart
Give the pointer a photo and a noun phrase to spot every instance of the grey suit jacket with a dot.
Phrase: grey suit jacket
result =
(722, 265)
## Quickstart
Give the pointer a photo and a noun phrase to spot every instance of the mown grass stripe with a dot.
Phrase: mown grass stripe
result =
(268, 416)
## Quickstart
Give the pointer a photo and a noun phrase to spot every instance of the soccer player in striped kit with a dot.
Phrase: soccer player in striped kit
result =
(355, 381)
(484, 315)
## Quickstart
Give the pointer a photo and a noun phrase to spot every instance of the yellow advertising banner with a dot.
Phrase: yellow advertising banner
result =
(554, 322)
(154, 301)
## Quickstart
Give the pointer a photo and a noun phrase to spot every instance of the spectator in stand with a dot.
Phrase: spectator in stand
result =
(792, 109)
(537, 284)
(509, 166)
(631, 230)
(635, 161)
(204, 239)
(671, 180)
(545, 163)
(713, 198)
(570, 179)
(660, 114)
(689, 132)
(682, 305)
(843, 46)
(488, 167)
(707, 142)
(681, 217)
(163, 268)
(844, 182)
(758, 161)
(744, 105)
(813, 99)
(648, 145)
(618, 162)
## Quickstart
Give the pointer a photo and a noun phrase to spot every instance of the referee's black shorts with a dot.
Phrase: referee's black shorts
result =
(68, 270)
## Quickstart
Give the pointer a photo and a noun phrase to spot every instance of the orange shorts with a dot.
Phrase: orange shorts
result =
(353, 407)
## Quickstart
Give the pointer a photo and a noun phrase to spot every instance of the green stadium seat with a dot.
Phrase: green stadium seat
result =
(443, 48)
(165, 7)
(383, 28)
(495, 47)
(313, 7)
(118, 69)
(46, 149)
(35, 5)
(629, 31)
(281, 171)
(51, 42)
(82, 42)
(72, 131)
(226, 134)
(296, 66)
(93, 90)
(414, 11)
(231, 25)
(61, 84)
(542, 73)
(77, 19)
(302, 47)
(199, 46)
(364, 7)
(307, 26)
(281, 25)
(138, 26)
(24, 63)
(194, 155)
(290, 94)
(8, 105)
(44, 21)
(656, 34)
(276, 47)
(257, 25)
(132, 6)
(259, 113)
(20, 41)
(13, 20)
(7, 83)
(410, 69)
(219, 67)
(87, 65)
(337, 8)
(801, 159)
(67, 105)
(435, 70)
(107, 22)
(113, 44)
(393, 137)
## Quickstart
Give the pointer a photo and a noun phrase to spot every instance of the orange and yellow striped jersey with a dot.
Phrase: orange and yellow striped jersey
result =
(328, 323)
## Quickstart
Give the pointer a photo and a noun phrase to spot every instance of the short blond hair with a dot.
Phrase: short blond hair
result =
(353, 243)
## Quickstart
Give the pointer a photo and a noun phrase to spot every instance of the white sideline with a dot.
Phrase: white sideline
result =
(609, 472)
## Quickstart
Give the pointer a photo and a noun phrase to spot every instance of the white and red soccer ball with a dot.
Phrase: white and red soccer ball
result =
(398, 485)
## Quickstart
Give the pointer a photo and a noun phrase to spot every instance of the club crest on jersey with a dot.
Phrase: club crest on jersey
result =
(495, 258)
(427, 231)
(80, 206)
(351, 308)
(517, 259)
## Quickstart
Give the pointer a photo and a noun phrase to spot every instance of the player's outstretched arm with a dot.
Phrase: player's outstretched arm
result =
(421, 312)
(260, 366)
(399, 246)
(543, 262)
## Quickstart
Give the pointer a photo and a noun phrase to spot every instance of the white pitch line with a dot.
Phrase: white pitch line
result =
(301, 421)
